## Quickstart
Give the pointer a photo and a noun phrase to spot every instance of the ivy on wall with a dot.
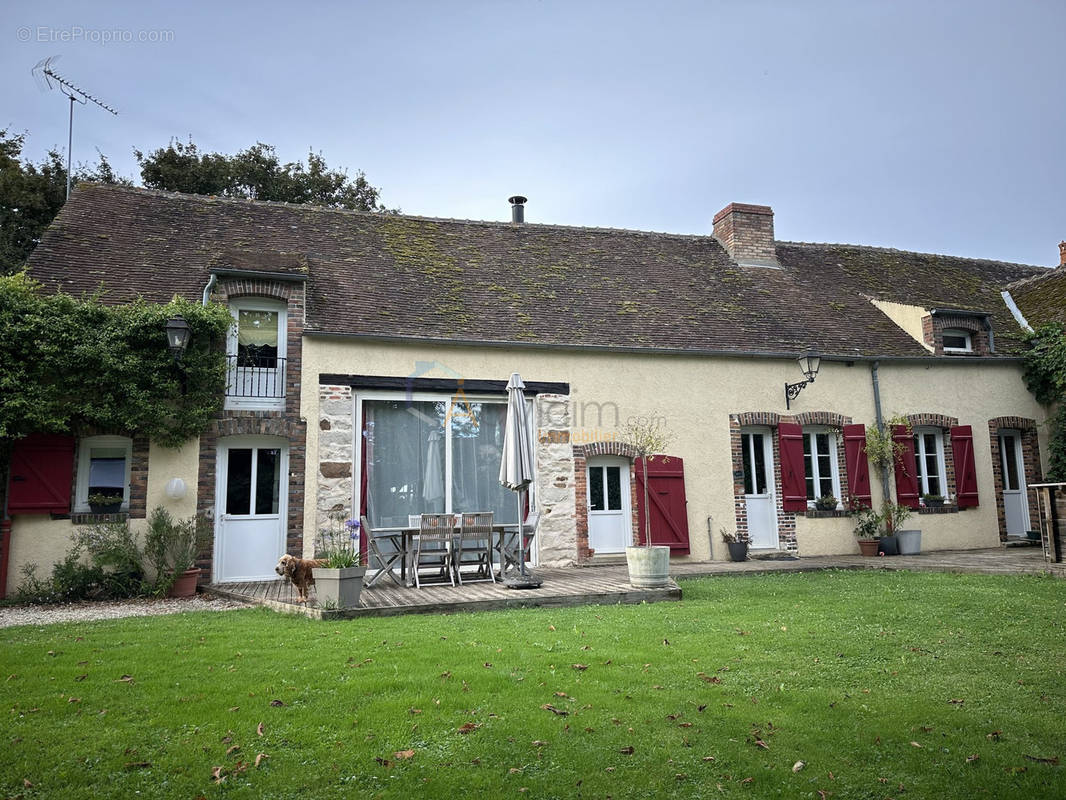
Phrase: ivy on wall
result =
(1045, 377)
(69, 365)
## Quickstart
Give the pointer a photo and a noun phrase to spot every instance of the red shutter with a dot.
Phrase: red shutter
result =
(666, 496)
(41, 470)
(906, 467)
(858, 466)
(965, 470)
(793, 471)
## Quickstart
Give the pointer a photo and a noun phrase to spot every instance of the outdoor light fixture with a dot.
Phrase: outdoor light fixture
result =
(808, 364)
(178, 335)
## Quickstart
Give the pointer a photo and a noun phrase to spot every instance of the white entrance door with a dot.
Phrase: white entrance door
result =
(1015, 502)
(610, 517)
(251, 506)
(759, 501)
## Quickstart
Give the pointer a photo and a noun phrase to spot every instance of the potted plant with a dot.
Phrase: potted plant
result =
(172, 547)
(881, 448)
(826, 503)
(933, 500)
(867, 526)
(339, 581)
(737, 544)
(105, 502)
(649, 565)
(909, 542)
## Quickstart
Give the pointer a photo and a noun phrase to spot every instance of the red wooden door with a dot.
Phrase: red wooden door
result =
(666, 497)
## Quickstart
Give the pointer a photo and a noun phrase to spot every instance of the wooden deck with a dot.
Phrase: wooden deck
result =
(609, 584)
(561, 587)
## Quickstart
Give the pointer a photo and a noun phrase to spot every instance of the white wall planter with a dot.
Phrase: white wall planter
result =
(339, 588)
(649, 567)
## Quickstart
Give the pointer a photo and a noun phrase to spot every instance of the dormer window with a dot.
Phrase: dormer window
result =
(957, 340)
(256, 355)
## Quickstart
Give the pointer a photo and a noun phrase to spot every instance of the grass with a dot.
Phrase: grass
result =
(882, 684)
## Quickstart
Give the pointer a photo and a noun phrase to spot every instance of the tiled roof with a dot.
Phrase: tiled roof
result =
(1042, 299)
(401, 276)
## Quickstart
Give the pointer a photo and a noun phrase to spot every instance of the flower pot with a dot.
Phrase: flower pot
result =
(934, 503)
(910, 542)
(338, 588)
(649, 567)
(109, 508)
(738, 551)
(868, 547)
(1033, 536)
(888, 545)
(185, 584)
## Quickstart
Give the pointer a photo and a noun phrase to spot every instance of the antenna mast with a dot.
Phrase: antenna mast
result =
(48, 78)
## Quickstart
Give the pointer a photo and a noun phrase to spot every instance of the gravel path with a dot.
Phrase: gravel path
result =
(78, 612)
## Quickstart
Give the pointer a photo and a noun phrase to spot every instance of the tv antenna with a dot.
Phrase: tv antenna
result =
(48, 78)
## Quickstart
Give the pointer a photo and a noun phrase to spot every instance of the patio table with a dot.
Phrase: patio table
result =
(405, 537)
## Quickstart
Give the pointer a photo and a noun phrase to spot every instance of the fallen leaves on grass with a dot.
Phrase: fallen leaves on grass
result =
(277, 703)
(915, 744)
(125, 679)
(993, 736)
(233, 749)
(400, 755)
(468, 727)
(138, 764)
(798, 766)
(972, 758)
(580, 667)
(562, 712)
(259, 729)
(627, 750)
(1054, 760)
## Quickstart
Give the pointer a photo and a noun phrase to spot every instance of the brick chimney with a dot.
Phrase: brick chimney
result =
(1062, 254)
(747, 233)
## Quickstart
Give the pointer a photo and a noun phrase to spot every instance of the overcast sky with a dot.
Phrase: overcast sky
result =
(931, 126)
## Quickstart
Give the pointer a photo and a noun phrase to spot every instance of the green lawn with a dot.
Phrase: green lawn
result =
(882, 684)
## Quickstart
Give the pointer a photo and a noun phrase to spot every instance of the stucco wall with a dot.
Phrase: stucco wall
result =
(695, 395)
(38, 539)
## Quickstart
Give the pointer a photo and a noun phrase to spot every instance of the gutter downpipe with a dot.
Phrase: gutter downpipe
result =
(207, 289)
(880, 424)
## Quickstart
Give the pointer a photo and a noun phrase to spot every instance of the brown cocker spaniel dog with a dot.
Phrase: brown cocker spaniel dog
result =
(298, 570)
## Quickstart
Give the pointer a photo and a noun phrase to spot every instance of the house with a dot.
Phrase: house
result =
(370, 353)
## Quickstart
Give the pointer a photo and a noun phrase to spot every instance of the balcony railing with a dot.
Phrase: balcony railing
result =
(260, 377)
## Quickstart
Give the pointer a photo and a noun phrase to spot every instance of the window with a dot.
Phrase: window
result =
(255, 354)
(957, 341)
(434, 454)
(820, 464)
(929, 460)
(103, 468)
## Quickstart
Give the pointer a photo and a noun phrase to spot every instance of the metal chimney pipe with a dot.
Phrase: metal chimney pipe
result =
(518, 208)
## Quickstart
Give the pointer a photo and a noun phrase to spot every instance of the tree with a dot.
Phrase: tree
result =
(256, 173)
(32, 194)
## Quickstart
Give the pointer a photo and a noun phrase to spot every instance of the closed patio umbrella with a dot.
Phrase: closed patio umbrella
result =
(516, 467)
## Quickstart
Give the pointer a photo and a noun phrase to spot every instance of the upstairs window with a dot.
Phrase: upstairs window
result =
(957, 340)
(255, 355)
(820, 464)
(103, 469)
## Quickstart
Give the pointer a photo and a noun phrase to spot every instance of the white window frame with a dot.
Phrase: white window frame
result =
(834, 465)
(258, 304)
(81, 487)
(920, 454)
(432, 397)
(966, 335)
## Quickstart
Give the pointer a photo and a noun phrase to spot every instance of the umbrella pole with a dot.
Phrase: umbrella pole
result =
(521, 538)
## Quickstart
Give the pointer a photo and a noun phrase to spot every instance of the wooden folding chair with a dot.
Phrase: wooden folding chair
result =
(509, 543)
(434, 545)
(384, 559)
(475, 539)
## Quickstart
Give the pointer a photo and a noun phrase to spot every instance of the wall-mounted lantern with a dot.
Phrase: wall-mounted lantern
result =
(178, 335)
(809, 363)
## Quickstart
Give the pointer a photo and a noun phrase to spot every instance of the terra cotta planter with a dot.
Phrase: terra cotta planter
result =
(868, 547)
(185, 585)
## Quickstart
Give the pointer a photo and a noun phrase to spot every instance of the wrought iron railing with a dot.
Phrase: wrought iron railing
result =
(259, 377)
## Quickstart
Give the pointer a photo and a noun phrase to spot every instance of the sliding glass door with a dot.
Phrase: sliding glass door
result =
(432, 455)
